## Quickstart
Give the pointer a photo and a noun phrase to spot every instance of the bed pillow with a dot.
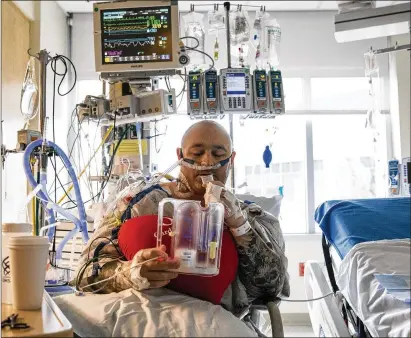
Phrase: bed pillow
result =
(140, 233)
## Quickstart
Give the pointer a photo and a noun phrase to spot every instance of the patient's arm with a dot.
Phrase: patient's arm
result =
(110, 255)
(263, 265)
(107, 266)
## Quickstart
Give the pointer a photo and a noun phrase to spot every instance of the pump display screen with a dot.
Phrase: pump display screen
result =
(210, 84)
(260, 81)
(236, 84)
(136, 35)
(276, 86)
(194, 86)
(211, 90)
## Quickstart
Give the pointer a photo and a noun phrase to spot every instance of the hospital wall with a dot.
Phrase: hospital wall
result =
(399, 70)
(300, 249)
(48, 30)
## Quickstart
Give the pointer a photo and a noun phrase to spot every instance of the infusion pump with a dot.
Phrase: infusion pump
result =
(235, 90)
(203, 93)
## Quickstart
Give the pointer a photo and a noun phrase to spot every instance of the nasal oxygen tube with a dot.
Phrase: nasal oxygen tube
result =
(80, 224)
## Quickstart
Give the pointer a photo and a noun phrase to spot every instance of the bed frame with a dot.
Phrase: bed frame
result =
(348, 313)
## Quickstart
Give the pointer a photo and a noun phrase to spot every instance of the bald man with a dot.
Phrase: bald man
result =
(206, 149)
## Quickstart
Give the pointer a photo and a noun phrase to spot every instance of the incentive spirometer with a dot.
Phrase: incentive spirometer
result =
(195, 237)
(260, 91)
(276, 90)
(235, 89)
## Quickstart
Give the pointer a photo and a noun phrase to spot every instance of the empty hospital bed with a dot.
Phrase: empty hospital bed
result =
(361, 238)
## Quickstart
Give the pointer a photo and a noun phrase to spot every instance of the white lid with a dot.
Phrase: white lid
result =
(28, 241)
(16, 227)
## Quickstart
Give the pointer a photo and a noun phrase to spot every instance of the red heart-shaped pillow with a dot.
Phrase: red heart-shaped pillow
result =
(140, 233)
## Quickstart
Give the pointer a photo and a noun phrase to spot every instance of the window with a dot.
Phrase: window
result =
(351, 93)
(344, 161)
(286, 137)
(293, 92)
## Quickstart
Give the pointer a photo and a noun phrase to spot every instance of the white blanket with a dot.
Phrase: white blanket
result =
(382, 314)
(152, 313)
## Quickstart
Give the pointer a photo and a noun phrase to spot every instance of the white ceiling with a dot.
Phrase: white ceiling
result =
(84, 6)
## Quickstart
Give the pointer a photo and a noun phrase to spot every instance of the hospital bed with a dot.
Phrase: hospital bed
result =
(359, 239)
(154, 313)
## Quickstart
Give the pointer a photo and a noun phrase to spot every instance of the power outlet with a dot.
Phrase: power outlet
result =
(301, 268)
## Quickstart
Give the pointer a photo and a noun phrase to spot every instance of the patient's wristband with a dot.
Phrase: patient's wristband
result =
(242, 230)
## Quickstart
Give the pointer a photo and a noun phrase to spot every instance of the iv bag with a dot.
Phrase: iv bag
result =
(371, 64)
(29, 99)
(259, 22)
(271, 42)
(215, 21)
(239, 28)
(373, 112)
(193, 27)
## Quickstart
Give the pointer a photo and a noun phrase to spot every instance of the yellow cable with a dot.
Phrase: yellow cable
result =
(33, 208)
(84, 170)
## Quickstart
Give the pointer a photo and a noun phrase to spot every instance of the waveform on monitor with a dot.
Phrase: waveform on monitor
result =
(125, 28)
(128, 44)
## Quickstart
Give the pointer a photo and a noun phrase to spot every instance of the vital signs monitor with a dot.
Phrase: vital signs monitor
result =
(136, 35)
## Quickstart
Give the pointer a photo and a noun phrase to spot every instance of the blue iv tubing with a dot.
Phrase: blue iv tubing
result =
(80, 224)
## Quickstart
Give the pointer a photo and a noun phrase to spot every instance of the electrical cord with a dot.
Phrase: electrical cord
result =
(197, 50)
(53, 66)
(84, 267)
(58, 179)
(191, 37)
(64, 60)
(208, 55)
(119, 273)
(109, 170)
(72, 148)
(103, 237)
(305, 300)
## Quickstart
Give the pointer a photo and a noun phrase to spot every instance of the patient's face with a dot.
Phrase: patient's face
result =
(206, 144)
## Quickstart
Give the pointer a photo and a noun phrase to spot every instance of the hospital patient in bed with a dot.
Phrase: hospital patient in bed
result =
(253, 263)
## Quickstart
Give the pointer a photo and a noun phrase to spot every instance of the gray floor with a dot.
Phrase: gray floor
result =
(290, 330)
(298, 331)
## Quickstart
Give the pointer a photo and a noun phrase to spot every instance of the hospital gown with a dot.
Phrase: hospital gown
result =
(262, 271)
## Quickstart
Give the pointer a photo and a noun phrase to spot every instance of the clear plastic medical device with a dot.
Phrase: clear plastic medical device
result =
(196, 235)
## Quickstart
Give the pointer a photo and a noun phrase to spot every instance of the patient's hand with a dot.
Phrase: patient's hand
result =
(157, 271)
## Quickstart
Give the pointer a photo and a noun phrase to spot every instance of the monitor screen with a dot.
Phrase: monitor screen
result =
(136, 35)
(236, 84)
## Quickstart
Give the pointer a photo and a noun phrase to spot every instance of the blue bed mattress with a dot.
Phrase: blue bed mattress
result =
(349, 222)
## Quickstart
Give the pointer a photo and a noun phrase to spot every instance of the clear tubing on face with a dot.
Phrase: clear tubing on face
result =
(200, 167)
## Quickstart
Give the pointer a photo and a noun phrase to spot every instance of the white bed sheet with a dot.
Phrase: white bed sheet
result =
(382, 314)
(152, 313)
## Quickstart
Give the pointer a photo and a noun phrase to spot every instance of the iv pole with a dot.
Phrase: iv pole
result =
(230, 116)
(43, 57)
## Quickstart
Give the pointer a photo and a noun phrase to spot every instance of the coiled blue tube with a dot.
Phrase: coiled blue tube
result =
(80, 224)
(33, 183)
